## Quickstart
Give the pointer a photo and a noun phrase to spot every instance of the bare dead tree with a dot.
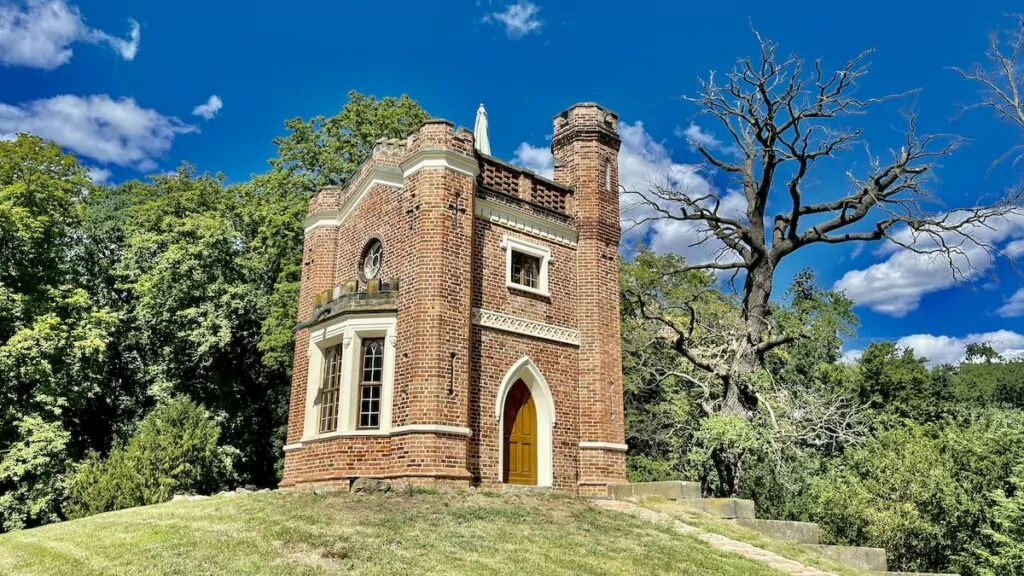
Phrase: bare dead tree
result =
(782, 117)
(1001, 80)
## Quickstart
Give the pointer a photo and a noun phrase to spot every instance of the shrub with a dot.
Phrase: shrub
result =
(173, 451)
(33, 475)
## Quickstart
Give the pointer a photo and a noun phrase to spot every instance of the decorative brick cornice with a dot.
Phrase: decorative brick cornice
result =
(526, 223)
(525, 326)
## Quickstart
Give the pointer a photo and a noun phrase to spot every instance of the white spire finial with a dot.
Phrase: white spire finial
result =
(483, 144)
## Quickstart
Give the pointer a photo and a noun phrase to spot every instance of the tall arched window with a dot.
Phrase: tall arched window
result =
(608, 174)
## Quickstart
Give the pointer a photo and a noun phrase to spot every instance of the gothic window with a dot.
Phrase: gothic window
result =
(525, 270)
(370, 380)
(372, 255)
(607, 174)
(330, 392)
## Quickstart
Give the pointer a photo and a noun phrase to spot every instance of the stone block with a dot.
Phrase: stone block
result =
(802, 532)
(670, 490)
(725, 508)
(910, 574)
(854, 556)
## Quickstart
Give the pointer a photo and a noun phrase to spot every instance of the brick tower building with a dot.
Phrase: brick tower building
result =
(459, 317)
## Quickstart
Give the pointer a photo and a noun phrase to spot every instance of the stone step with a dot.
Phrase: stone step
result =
(524, 488)
(724, 508)
(911, 574)
(872, 559)
(670, 490)
(801, 532)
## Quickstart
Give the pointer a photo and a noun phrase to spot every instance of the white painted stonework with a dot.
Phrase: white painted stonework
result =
(522, 222)
(525, 326)
(349, 331)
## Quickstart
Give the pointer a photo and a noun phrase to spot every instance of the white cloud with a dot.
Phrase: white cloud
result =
(536, 159)
(39, 34)
(851, 356)
(210, 108)
(98, 127)
(519, 19)
(1014, 249)
(951, 350)
(99, 175)
(644, 161)
(695, 135)
(1014, 306)
(896, 285)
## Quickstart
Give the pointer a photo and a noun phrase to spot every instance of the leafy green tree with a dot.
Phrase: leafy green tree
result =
(175, 450)
(33, 475)
(326, 151)
(674, 409)
(1002, 551)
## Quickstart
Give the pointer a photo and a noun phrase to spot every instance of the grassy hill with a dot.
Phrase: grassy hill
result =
(407, 534)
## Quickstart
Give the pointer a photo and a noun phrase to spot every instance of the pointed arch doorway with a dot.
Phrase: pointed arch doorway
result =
(524, 411)
(520, 436)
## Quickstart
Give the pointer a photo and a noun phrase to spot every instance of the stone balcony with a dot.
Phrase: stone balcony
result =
(374, 296)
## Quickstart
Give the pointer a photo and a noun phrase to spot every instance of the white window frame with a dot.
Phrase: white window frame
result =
(349, 331)
(511, 244)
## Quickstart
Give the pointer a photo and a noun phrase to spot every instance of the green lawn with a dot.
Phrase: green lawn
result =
(407, 534)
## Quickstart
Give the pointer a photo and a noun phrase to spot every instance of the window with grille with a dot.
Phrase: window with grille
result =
(525, 270)
(370, 383)
(330, 390)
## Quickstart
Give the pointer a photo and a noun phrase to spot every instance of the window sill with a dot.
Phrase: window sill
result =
(527, 289)
(346, 434)
(397, 431)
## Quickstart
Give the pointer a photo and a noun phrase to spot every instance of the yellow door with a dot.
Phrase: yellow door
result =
(520, 436)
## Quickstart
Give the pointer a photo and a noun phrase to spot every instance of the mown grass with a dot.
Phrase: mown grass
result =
(407, 534)
(791, 550)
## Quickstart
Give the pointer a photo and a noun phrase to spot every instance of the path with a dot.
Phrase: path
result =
(772, 559)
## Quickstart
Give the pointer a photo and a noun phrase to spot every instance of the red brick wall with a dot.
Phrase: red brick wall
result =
(491, 292)
(498, 352)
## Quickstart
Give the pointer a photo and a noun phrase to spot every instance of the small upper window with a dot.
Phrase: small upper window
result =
(372, 256)
(525, 270)
(526, 265)
(607, 174)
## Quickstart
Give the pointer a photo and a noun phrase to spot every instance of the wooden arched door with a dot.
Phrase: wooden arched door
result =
(520, 436)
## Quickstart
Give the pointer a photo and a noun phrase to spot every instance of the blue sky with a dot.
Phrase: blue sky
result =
(136, 87)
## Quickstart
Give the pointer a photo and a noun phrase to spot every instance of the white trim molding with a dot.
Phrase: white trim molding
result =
(439, 158)
(527, 371)
(431, 429)
(378, 175)
(525, 326)
(512, 244)
(526, 223)
(292, 447)
(590, 445)
(325, 219)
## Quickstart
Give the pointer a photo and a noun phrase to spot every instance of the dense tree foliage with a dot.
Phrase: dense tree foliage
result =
(174, 451)
(886, 452)
(115, 300)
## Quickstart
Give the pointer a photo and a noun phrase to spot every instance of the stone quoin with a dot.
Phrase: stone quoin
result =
(459, 317)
